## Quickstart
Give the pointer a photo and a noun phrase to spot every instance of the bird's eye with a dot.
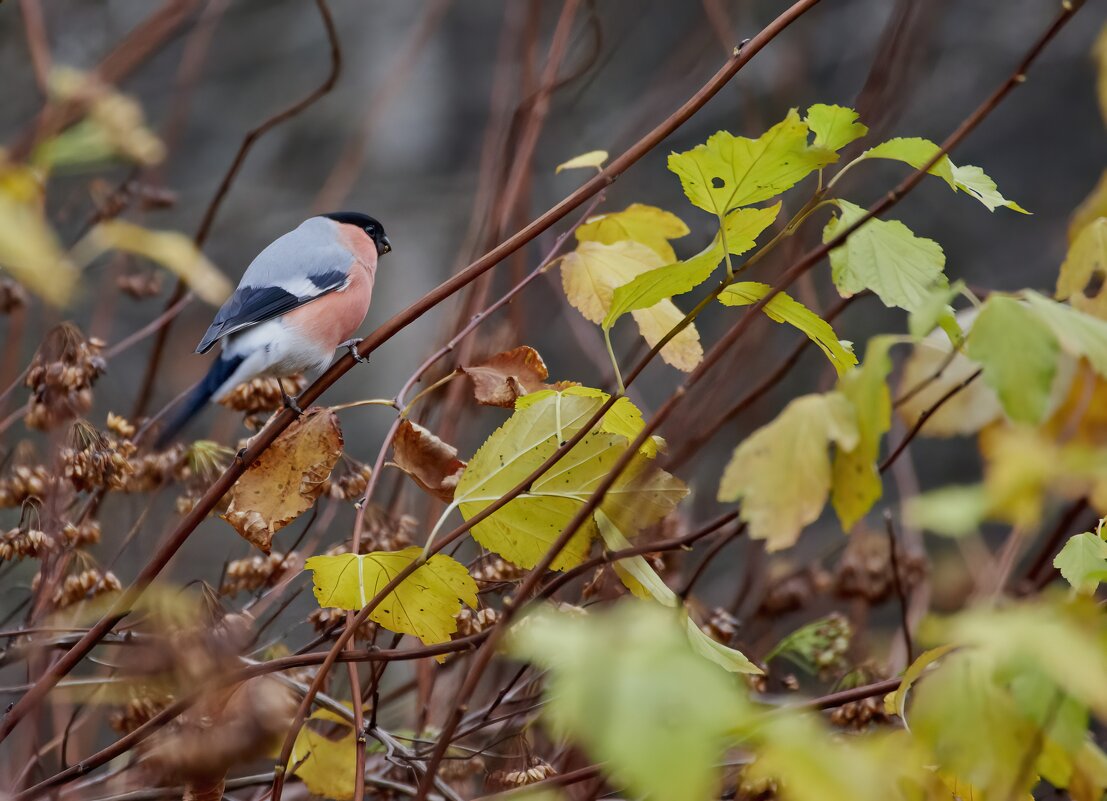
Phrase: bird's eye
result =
(371, 229)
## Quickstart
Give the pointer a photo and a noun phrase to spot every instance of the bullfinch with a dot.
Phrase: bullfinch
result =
(298, 302)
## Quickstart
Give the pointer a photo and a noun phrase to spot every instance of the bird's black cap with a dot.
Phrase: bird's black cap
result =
(369, 225)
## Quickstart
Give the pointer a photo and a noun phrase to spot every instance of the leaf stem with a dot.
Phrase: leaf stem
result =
(614, 361)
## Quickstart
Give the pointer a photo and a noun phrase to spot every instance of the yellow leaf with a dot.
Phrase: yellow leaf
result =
(525, 528)
(286, 479)
(29, 248)
(834, 126)
(783, 308)
(1084, 271)
(742, 228)
(593, 159)
(326, 766)
(171, 249)
(732, 171)
(648, 225)
(856, 479)
(592, 272)
(1090, 209)
(781, 472)
(425, 603)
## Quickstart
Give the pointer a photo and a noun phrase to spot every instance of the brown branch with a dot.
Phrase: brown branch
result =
(897, 582)
(926, 415)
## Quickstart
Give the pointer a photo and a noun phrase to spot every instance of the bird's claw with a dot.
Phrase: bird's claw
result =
(290, 403)
(351, 346)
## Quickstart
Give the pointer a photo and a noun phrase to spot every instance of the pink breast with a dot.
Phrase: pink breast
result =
(335, 317)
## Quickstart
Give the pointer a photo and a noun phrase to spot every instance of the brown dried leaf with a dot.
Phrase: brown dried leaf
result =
(500, 379)
(286, 480)
(428, 460)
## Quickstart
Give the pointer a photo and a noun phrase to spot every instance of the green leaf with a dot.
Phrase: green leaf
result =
(782, 308)
(884, 256)
(972, 181)
(423, 605)
(742, 229)
(626, 686)
(525, 528)
(972, 726)
(1083, 562)
(647, 225)
(968, 178)
(856, 481)
(591, 274)
(896, 703)
(936, 312)
(1063, 641)
(644, 582)
(1061, 719)
(834, 126)
(623, 418)
(1080, 334)
(781, 472)
(953, 511)
(732, 171)
(1019, 355)
(915, 151)
(1084, 270)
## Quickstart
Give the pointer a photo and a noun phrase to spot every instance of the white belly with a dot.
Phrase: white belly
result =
(273, 349)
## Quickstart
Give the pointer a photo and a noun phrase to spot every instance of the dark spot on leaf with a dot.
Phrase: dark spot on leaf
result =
(717, 182)
(1095, 283)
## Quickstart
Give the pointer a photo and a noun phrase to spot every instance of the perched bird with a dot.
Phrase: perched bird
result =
(299, 301)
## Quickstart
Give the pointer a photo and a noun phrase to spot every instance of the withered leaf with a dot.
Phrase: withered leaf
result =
(428, 460)
(500, 379)
(285, 481)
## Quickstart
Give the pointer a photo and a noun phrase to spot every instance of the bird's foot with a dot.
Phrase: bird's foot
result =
(290, 403)
(351, 346)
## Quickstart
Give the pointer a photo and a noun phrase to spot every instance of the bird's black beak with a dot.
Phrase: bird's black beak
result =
(385, 245)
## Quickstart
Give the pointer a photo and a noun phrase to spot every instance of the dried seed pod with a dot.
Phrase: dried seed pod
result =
(25, 543)
(470, 622)
(61, 376)
(255, 572)
(537, 770)
(860, 715)
(140, 285)
(721, 626)
(144, 704)
(351, 486)
(496, 569)
(23, 484)
(262, 394)
(794, 592)
(88, 583)
(323, 620)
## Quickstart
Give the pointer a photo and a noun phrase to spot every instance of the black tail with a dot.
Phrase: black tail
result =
(199, 395)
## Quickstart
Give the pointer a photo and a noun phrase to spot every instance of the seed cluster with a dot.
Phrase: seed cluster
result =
(255, 572)
(537, 770)
(23, 484)
(21, 543)
(61, 377)
(470, 622)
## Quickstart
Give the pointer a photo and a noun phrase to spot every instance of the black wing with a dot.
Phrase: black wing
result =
(250, 305)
